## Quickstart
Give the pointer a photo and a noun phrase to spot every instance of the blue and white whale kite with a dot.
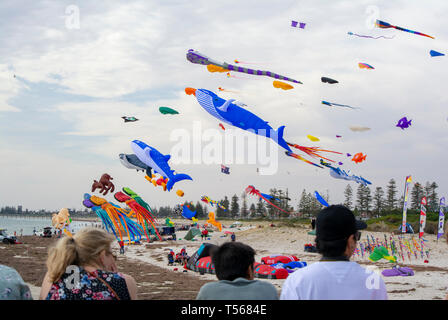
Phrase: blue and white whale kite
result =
(158, 162)
(235, 115)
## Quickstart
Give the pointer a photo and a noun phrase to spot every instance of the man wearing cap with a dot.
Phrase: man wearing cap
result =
(335, 277)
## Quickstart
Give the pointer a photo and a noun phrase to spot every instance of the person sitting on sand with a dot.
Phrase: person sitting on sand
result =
(83, 267)
(335, 277)
(12, 286)
(234, 266)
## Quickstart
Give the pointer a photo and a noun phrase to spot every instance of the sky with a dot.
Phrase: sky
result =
(69, 70)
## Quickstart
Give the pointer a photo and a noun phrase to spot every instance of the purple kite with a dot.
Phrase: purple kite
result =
(403, 123)
(301, 24)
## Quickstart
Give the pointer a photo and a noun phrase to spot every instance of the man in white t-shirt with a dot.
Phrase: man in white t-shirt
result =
(335, 277)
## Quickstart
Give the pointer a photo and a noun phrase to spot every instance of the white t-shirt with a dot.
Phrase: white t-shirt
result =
(334, 280)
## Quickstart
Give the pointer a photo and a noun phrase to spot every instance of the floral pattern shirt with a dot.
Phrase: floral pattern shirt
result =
(78, 284)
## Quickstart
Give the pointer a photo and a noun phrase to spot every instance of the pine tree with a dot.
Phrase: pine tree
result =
(244, 209)
(391, 191)
(367, 198)
(252, 210)
(360, 200)
(199, 210)
(303, 206)
(234, 206)
(220, 213)
(260, 208)
(348, 194)
(378, 200)
(416, 196)
(433, 199)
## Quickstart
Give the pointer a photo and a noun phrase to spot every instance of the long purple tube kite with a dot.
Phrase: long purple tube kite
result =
(385, 25)
(199, 58)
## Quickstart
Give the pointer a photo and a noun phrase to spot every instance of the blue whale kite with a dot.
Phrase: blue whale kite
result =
(158, 162)
(231, 113)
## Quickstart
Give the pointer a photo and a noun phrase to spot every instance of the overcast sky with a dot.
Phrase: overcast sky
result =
(60, 116)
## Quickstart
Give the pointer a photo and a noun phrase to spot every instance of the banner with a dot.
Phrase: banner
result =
(422, 217)
(441, 217)
(405, 203)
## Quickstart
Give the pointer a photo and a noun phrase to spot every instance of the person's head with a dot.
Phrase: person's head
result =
(88, 247)
(337, 231)
(233, 260)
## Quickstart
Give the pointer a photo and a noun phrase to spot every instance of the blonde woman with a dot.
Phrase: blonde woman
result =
(83, 267)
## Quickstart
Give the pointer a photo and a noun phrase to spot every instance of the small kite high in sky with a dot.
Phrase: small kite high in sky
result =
(328, 80)
(331, 104)
(363, 65)
(370, 37)
(198, 58)
(404, 123)
(312, 138)
(296, 24)
(385, 25)
(435, 53)
(359, 128)
(359, 157)
(282, 85)
(166, 110)
(129, 119)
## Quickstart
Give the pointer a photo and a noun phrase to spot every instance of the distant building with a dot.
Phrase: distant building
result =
(19, 209)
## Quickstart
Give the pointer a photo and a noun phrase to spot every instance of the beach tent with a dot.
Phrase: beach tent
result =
(193, 232)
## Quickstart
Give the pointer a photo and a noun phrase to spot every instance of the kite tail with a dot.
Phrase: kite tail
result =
(291, 154)
(313, 151)
(261, 196)
(259, 73)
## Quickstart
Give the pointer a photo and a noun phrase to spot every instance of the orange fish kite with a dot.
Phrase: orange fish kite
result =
(359, 157)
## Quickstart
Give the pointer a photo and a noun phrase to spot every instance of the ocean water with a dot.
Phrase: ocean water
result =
(26, 225)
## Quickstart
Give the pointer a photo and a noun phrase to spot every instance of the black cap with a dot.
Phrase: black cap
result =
(337, 222)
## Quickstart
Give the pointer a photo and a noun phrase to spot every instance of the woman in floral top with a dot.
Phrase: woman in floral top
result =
(83, 267)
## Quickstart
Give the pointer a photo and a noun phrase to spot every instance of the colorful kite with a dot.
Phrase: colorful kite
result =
(105, 185)
(294, 155)
(359, 128)
(435, 53)
(296, 24)
(235, 115)
(363, 36)
(282, 85)
(385, 25)
(403, 123)
(158, 162)
(166, 110)
(328, 80)
(222, 126)
(331, 104)
(252, 191)
(198, 58)
(338, 173)
(131, 161)
(211, 202)
(312, 151)
(359, 157)
(362, 65)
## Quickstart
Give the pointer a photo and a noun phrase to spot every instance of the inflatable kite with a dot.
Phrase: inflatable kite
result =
(105, 185)
(363, 36)
(198, 58)
(328, 80)
(403, 123)
(298, 157)
(359, 129)
(282, 85)
(61, 221)
(252, 191)
(131, 161)
(222, 126)
(385, 25)
(212, 221)
(381, 253)
(296, 24)
(166, 110)
(235, 115)
(362, 65)
(359, 157)
(129, 119)
(338, 173)
(435, 53)
(188, 214)
(158, 162)
(212, 202)
(331, 104)
(320, 199)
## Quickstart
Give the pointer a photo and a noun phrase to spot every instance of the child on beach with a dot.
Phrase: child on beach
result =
(83, 267)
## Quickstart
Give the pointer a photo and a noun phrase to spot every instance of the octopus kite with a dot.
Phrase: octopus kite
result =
(252, 191)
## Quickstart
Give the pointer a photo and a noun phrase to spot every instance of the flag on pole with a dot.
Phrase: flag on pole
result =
(422, 217)
(405, 203)
(225, 169)
(441, 217)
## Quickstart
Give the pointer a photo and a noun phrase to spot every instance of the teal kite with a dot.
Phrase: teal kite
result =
(166, 110)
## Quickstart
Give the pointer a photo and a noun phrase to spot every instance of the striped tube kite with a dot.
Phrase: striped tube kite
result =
(385, 25)
(216, 66)
(252, 191)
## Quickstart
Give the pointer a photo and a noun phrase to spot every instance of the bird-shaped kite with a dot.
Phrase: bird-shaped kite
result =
(252, 191)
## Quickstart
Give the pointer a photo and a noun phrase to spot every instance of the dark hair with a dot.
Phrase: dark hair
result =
(232, 260)
(331, 249)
